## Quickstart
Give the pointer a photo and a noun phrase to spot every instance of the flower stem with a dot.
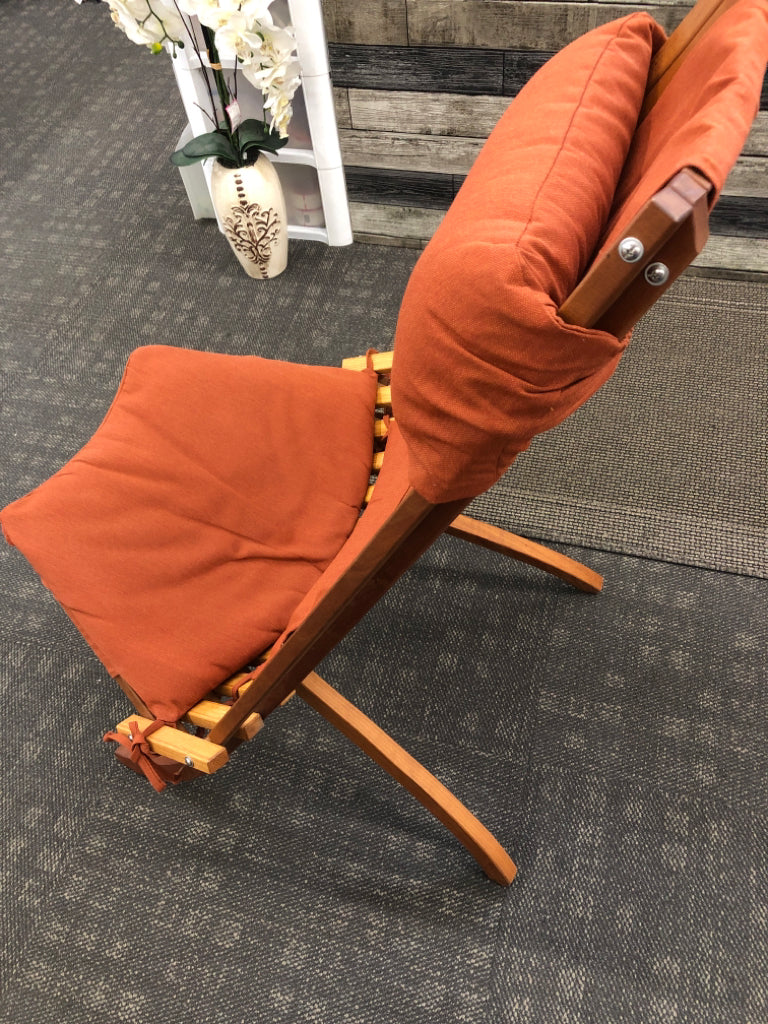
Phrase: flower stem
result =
(218, 76)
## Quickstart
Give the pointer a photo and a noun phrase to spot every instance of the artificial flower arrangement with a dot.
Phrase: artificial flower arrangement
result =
(265, 54)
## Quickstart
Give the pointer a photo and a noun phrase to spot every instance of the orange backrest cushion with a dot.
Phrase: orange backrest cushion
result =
(703, 117)
(482, 361)
(216, 491)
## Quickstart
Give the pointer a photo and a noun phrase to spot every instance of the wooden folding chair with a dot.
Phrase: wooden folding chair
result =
(647, 241)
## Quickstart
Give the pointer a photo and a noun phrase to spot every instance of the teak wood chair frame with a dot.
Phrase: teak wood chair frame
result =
(613, 294)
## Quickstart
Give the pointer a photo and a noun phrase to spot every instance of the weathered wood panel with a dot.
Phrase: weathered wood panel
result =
(400, 188)
(423, 69)
(736, 216)
(341, 103)
(740, 216)
(748, 255)
(512, 24)
(442, 69)
(757, 143)
(419, 113)
(379, 220)
(414, 227)
(748, 178)
(452, 155)
(374, 21)
(431, 153)
(461, 61)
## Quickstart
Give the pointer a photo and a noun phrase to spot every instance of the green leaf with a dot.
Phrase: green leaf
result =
(251, 131)
(213, 144)
(253, 135)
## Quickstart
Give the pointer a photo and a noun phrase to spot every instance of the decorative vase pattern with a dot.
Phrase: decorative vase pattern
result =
(250, 205)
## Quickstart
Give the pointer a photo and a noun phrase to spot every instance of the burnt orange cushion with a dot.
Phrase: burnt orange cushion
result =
(704, 116)
(482, 361)
(210, 500)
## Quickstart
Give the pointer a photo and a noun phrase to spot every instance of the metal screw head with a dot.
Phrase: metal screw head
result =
(189, 762)
(631, 249)
(656, 274)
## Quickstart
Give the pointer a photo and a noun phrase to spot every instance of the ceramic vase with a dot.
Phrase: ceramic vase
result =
(250, 205)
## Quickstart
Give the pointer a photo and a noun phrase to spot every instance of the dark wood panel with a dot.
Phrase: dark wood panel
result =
(427, 69)
(741, 217)
(399, 188)
(736, 216)
(471, 71)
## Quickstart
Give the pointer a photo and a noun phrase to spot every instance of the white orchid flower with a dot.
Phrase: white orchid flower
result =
(148, 24)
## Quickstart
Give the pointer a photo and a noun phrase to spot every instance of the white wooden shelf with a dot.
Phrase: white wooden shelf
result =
(310, 166)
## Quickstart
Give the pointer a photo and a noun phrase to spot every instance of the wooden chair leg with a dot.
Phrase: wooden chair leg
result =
(527, 551)
(378, 745)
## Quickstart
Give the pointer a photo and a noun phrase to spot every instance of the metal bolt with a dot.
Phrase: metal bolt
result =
(631, 249)
(189, 762)
(656, 274)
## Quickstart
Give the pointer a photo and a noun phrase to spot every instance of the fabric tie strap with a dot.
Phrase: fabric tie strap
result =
(158, 770)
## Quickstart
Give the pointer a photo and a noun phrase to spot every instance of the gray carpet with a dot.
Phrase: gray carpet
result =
(615, 744)
(670, 458)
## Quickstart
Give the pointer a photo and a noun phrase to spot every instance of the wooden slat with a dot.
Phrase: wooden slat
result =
(381, 361)
(455, 156)
(375, 21)
(208, 713)
(395, 221)
(408, 152)
(745, 255)
(510, 24)
(378, 461)
(423, 68)
(429, 191)
(384, 395)
(341, 108)
(445, 114)
(740, 216)
(749, 177)
(757, 142)
(418, 113)
(206, 757)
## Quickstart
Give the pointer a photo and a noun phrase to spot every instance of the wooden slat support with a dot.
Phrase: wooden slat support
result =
(528, 551)
(206, 757)
(412, 775)
(208, 713)
(382, 362)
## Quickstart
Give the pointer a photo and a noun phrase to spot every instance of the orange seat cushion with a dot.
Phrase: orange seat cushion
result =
(181, 538)
(482, 361)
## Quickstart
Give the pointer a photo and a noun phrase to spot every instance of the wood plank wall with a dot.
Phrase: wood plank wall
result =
(419, 84)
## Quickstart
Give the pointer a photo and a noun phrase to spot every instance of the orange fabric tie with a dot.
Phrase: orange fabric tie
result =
(144, 757)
